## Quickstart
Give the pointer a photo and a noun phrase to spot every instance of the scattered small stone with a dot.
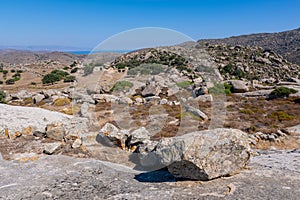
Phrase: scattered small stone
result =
(52, 148)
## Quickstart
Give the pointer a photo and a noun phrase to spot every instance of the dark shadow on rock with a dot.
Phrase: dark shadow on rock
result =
(158, 176)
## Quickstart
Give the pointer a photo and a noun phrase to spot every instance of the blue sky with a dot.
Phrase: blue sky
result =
(85, 23)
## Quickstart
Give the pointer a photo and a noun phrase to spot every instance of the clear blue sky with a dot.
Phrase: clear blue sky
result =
(85, 23)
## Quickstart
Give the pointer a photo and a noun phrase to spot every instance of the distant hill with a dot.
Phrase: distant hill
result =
(285, 43)
(23, 57)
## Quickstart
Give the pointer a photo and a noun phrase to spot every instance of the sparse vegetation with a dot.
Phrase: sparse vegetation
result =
(281, 116)
(146, 69)
(184, 84)
(122, 85)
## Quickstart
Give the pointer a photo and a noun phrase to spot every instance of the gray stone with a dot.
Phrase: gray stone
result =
(139, 136)
(239, 86)
(84, 110)
(55, 131)
(77, 143)
(163, 101)
(38, 98)
(139, 100)
(151, 89)
(202, 155)
(196, 112)
(52, 148)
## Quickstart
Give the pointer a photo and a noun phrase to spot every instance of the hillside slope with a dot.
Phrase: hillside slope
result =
(285, 43)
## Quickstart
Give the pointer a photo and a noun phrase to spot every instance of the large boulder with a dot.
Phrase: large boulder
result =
(239, 86)
(201, 155)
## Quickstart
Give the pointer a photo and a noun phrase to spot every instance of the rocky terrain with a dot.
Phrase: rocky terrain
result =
(196, 121)
(285, 43)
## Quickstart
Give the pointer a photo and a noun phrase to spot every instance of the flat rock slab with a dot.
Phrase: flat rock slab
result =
(273, 175)
(15, 118)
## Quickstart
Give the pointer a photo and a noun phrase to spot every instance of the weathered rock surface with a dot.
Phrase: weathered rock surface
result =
(62, 177)
(27, 116)
(202, 155)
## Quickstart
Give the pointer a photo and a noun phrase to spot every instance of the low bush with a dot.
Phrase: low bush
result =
(10, 81)
(74, 70)
(282, 92)
(1, 82)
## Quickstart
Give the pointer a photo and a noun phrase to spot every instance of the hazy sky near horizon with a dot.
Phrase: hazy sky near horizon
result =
(86, 23)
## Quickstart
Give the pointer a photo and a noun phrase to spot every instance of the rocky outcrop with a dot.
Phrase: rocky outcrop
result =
(202, 155)
(239, 62)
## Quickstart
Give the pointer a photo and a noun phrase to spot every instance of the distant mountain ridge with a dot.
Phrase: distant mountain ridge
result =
(285, 43)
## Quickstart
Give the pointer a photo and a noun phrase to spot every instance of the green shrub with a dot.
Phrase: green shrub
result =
(54, 76)
(2, 97)
(65, 68)
(282, 92)
(33, 83)
(10, 82)
(184, 84)
(220, 88)
(1, 82)
(70, 79)
(122, 85)
(5, 72)
(12, 71)
(20, 71)
(50, 78)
